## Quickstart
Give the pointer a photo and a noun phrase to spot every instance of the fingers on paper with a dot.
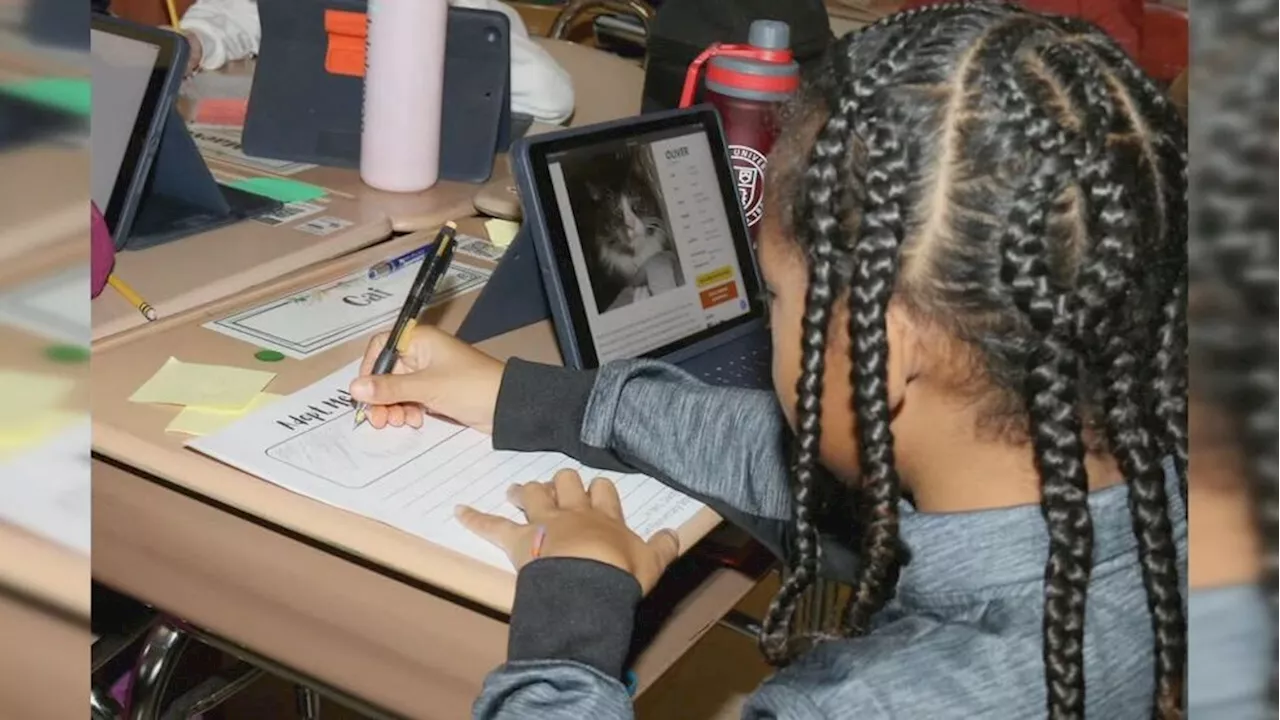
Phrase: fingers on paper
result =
(604, 497)
(534, 498)
(666, 545)
(494, 528)
(570, 494)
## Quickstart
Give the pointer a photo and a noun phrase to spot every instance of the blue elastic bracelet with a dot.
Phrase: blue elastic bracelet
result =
(629, 679)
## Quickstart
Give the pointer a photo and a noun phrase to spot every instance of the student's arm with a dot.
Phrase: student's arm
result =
(228, 30)
(570, 633)
(724, 446)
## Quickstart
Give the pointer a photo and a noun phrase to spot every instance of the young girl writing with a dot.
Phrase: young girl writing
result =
(975, 253)
(221, 31)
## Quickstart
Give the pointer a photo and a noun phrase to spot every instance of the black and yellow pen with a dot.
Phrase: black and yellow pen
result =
(420, 294)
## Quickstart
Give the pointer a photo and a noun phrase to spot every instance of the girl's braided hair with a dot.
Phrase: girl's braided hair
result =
(1015, 182)
(1233, 246)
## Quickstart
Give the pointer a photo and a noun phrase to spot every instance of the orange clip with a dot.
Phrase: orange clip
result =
(345, 54)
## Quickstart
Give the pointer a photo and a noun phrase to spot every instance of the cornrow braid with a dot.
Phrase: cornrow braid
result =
(1052, 372)
(991, 193)
(820, 211)
(1107, 328)
(1169, 380)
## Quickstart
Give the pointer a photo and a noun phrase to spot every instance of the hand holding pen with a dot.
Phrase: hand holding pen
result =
(420, 295)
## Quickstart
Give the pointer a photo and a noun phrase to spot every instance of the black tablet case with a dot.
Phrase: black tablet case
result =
(299, 111)
(181, 197)
(513, 297)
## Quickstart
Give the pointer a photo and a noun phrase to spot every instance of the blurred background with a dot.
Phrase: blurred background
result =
(44, 359)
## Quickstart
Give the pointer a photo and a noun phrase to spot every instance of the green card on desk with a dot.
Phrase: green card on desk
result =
(282, 189)
(70, 95)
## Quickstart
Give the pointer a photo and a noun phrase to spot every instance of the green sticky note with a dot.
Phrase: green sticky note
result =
(282, 189)
(71, 95)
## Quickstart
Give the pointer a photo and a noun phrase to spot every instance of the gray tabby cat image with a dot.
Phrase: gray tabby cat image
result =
(623, 226)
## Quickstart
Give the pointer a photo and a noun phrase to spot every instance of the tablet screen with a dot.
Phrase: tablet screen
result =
(657, 256)
(128, 78)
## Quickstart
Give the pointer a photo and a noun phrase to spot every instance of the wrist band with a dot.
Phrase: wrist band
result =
(539, 535)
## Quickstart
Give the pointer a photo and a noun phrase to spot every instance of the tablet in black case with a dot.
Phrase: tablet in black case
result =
(301, 110)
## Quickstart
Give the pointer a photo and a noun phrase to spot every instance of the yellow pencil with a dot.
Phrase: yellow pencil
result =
(173, 13)
(132, 297)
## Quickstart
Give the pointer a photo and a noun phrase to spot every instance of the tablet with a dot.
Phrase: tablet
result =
(136, 73)
(640, 237)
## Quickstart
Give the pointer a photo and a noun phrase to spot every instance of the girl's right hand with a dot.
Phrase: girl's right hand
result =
(437, 375)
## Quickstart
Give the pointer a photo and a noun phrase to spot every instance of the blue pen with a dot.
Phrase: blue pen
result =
(387, 267)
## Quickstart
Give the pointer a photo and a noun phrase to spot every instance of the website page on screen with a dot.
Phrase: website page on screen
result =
(650, 241)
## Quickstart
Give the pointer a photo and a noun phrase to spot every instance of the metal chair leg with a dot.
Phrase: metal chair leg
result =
(308, 702)
(159, 658)
(102, 706)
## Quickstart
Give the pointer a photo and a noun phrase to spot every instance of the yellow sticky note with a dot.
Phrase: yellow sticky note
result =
(29, 395)
(217, 387)
(204, 421)
(501, 232)
(34, 430)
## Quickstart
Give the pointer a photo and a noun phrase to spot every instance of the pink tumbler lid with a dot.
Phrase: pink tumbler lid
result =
(102, 251)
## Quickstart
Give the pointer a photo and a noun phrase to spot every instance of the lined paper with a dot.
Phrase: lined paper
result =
(410, 478)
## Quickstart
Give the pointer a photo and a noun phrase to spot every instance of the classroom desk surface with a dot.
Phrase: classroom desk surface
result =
(354, 604)
(200, 269)
(44, 665)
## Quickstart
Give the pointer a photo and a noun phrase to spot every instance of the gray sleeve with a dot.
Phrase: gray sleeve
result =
(727, 447)
(724, 443)
(551, 690)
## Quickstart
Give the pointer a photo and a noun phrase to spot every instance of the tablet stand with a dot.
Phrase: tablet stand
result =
(181, 197)
(514, 296)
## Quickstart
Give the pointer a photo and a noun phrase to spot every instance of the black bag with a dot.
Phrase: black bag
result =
(684, 28)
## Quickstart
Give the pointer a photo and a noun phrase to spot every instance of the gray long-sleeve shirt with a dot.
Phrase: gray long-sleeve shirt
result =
(961, 640)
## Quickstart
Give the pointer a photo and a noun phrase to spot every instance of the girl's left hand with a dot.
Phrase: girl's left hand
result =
(570, 521)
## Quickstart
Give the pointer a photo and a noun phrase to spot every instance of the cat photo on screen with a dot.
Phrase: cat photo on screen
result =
(622, 223)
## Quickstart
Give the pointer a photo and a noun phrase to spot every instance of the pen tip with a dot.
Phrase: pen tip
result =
(359, 416)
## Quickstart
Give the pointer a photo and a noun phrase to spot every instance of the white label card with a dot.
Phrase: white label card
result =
(289, 213)
(323, 226)
(309, 322)
(223, 143)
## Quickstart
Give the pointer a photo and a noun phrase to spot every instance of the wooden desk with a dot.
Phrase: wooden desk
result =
(200, 269)
(355, 605)
(44, 662)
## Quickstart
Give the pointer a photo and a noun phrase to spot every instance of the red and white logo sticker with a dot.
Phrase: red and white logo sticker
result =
(748, 168)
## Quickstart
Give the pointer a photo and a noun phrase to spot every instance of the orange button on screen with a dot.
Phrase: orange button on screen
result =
(718, 294)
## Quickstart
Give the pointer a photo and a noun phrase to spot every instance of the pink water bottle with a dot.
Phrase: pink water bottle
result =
(403, 94)
(747, 85)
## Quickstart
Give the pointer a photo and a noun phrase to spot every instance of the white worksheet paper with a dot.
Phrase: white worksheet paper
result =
(410, 479)
(46, 490)
(321, 317)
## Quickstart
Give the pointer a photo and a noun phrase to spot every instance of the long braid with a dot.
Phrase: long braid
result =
(1052, 372)
(1169, 380)
(1107, 327)
(820, 212)
(822, 205)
